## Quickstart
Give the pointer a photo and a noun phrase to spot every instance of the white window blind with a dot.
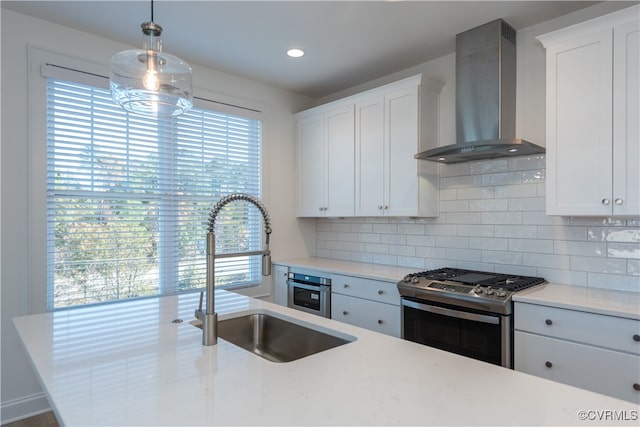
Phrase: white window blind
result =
(128, 198)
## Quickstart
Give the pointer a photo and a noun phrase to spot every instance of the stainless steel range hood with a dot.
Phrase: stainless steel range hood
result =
(485, 98)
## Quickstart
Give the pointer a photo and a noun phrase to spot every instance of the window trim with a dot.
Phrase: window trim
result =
(40, 62)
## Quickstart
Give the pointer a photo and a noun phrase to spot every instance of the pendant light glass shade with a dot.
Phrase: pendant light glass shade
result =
(150, 82)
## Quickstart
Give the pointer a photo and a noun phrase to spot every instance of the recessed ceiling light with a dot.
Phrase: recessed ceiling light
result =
(295, 53)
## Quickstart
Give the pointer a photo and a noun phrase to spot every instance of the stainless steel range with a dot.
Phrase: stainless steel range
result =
(463, 311)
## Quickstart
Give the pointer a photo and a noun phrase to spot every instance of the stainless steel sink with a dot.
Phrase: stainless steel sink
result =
(277, 339)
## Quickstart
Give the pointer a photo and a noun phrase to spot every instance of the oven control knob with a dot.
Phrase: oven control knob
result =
(415, 280)
(477, 290)
(501, 293)
(488, 291)
(407, 278)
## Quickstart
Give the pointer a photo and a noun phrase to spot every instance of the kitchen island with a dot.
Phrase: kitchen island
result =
(136, 363)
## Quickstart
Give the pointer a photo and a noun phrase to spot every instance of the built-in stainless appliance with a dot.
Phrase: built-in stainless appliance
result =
(463, 311)
(485, 98)
(309, 293)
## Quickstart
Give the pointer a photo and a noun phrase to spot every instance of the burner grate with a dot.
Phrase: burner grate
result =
(470, 277)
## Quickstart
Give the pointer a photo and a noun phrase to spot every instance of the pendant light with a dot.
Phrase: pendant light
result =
(148, 81)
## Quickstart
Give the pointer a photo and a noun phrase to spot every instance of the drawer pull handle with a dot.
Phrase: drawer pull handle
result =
(380, 321)
(380, 292)
(636, 387)
(345, 312)
(548, 364)
(636, 337)
(549, 322)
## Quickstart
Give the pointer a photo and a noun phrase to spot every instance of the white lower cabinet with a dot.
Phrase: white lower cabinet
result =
(280, 273)
(592, 351)
(370, 304)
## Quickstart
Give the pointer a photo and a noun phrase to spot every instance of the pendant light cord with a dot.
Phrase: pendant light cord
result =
(151, 10)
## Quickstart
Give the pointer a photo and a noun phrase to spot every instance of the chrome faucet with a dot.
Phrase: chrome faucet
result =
(209, 317)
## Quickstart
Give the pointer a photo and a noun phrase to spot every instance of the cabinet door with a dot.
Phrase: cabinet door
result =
(626, 116)
(340, 166)
(280, 284)
(579, 126)
(401, 140)
(370, 157)
(604, 371)
(311, 166)
(375, 316)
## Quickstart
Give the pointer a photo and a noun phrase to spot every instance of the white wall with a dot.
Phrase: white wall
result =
(20, 392)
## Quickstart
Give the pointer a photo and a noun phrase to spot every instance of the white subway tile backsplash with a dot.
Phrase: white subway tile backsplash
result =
(475, 230)
(531, 245)
(488, 205)
(474, 193)
(464, 254)
(613, 281)
(488, 166)
(502, 218)
(493, 244)
(452, 242)
(599, 265)
(512, 191)
(566, 247)
(612, 234)
(463, 218)
(503, 178)
(527, 204)
(623, 250)
(500, 257)
(492, 218)
(516, 231)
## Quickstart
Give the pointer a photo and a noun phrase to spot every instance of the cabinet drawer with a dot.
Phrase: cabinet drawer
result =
(616, 333)
(604, 371)
(375, 290)
(375, 316)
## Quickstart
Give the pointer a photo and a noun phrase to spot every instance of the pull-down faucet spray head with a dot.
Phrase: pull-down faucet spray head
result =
(209, 318)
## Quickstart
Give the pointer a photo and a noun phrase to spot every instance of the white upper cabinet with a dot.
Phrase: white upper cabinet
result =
(374, 173)
(325, 147)
(592, 138)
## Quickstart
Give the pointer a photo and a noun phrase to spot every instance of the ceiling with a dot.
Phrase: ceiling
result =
(347, 42)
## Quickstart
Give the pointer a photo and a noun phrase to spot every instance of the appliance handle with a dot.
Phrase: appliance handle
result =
(452, 313)
(308, 287)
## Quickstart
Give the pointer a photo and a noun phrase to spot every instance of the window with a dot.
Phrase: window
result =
(128, 197)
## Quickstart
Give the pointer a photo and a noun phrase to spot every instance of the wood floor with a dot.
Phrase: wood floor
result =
(43, 420)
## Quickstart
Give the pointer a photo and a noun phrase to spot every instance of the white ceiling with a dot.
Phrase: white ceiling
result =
(347, 42)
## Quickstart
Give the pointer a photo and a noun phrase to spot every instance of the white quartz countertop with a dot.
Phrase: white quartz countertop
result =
(127, 364)
(360, 269)
(600, 301)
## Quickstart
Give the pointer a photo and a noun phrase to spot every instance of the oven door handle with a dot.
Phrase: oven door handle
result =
(451, 313)
(308, 287)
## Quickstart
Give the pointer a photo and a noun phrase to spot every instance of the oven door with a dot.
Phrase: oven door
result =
(480, 335)
(311, 298)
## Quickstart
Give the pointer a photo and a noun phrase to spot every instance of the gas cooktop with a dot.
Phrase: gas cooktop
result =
(468, 288)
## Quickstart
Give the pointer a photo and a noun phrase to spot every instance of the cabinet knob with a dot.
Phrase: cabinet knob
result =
(636, 387)
(636, 337)
(549, 322)
(386, 207)
(380, 321)
(606, 201)
(380, 292)
(548, 364)
(345, 312)
(379, 206)
(346, 285)
(618, 202)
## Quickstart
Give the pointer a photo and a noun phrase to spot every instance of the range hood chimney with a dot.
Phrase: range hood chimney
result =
(485, 98)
